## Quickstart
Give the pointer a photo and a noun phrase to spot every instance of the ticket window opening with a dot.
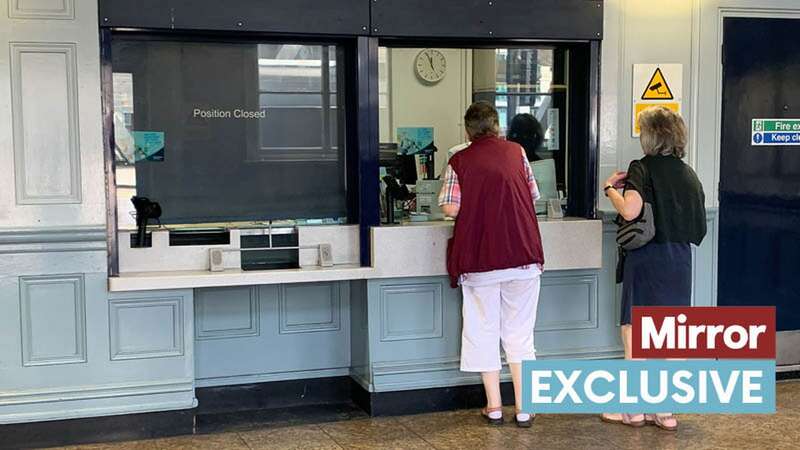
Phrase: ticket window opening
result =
(424, 92)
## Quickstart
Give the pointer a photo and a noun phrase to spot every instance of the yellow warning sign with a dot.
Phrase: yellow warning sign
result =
(639, 107)
(655, 84)
(657, 88)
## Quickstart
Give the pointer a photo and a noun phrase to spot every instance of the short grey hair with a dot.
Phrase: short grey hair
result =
(663, 132)
(481, 119)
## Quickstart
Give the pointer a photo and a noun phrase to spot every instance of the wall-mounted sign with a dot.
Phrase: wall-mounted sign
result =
(655, 85)
(657, 88)
(551, 133)
(641, 106)
(775, 132)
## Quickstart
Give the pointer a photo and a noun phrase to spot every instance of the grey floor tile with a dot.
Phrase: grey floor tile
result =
(228, 441)
(131, 445)
(381, 433)
(307, 437)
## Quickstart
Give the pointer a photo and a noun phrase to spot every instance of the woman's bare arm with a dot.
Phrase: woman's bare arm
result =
(628, 206)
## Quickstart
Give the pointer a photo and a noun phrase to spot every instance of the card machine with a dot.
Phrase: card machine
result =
(428, 198)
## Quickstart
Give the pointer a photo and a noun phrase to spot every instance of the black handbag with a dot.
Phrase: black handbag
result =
(638, 232)
(635, 233)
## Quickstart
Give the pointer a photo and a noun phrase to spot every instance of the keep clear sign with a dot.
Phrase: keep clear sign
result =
(776, 132)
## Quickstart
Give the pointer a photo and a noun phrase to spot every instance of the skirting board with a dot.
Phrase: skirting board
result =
(276, 394)
(417, 401)
(99, 429)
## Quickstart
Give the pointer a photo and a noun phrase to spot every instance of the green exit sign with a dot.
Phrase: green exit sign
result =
(776, 124)
(775, 132)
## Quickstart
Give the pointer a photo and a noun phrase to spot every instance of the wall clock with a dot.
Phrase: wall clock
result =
(430, 65)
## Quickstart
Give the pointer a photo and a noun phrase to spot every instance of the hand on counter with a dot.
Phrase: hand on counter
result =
(450, 210)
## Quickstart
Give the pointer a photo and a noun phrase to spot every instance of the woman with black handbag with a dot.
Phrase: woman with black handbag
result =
(661, 213)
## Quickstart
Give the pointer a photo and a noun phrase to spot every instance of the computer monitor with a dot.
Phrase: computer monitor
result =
(401, 167)
(407, 169)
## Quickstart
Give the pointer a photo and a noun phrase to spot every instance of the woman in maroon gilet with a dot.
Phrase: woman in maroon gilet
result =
(495, 254)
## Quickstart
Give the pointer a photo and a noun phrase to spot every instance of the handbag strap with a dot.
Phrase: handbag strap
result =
(649, 188)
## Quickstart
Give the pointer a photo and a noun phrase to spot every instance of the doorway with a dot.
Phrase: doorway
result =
(759, 216)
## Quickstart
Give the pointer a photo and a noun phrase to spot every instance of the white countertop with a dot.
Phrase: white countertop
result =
(187, 279)
(413, 249)
(397, 249)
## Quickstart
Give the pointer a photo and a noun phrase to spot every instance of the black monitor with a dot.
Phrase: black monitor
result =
(407, 169)
(401, 167)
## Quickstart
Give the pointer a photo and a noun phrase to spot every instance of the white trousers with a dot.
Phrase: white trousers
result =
(502, 312)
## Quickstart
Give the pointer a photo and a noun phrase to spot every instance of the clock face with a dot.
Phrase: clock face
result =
(430, 65)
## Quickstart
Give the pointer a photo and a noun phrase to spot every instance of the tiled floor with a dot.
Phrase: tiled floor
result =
(465, 430)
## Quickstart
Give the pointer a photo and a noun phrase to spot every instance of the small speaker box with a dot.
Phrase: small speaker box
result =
(325, 255)
(215, 260)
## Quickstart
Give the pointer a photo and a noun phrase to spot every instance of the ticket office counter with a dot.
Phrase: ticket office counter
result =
(393, 326)
(379, 306)
(259, 121)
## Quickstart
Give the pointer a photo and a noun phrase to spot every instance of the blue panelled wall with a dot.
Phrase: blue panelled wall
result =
(71, 349)
(404, 333)
(78, 351)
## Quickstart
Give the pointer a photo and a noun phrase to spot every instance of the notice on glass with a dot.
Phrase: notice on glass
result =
(149, 145)
(413, 140)
(551, 133)
(544, 172)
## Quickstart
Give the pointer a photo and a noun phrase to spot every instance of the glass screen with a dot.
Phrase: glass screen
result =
(229, 131)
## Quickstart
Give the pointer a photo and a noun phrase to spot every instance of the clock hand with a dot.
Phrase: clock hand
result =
(430, 61)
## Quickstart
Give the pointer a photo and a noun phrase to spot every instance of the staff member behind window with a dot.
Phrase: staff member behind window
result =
(526, 131)
(660, 273)
(495, 254)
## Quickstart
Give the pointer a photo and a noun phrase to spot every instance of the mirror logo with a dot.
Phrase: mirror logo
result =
(726, 364)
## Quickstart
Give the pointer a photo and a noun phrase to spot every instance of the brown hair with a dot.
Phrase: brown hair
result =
(663, 132)
(481, 119)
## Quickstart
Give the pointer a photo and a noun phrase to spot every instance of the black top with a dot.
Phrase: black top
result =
(676, 194)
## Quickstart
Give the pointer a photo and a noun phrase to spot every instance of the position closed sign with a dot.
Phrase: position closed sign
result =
(776, 132)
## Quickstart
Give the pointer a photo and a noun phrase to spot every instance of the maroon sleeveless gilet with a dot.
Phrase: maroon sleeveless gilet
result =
(496, 226)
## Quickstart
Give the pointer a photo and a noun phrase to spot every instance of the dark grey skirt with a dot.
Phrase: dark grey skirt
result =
(658, 274)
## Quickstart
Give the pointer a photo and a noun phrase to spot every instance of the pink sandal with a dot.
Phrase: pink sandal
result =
(632, 420)
(662, 421)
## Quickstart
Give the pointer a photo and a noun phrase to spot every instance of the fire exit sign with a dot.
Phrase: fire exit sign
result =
(776, 132)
